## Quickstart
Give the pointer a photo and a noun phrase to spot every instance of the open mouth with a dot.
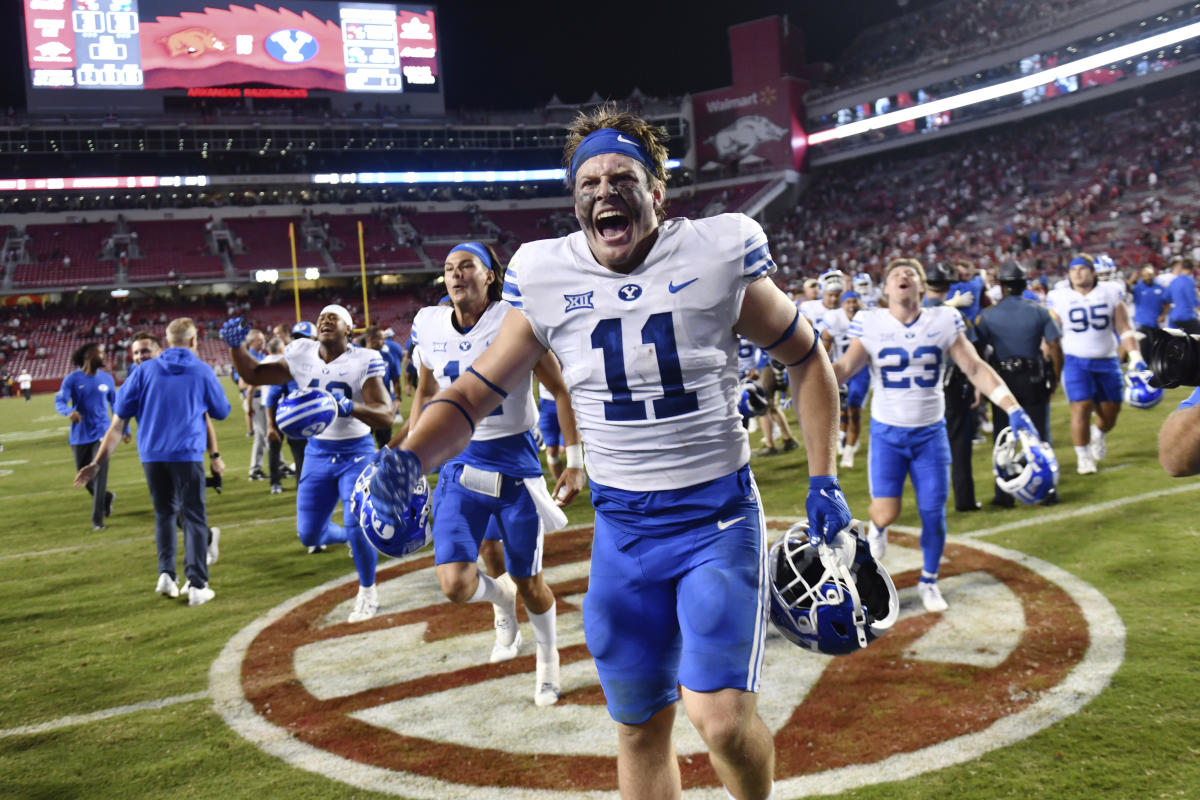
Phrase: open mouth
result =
(611, 225)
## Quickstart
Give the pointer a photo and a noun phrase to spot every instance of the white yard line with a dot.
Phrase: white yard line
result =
(99, 716)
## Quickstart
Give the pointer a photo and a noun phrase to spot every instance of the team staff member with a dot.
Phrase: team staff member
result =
(1019, 332)
(960, 393)
(85, 397)
(678, 584)
(1181, 292)
(170, 396)
(1150, 302)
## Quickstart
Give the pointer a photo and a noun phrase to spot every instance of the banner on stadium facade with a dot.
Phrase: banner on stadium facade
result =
(26, 300)
(759, 126)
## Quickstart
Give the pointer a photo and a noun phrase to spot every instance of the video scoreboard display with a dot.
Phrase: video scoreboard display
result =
(192, 45)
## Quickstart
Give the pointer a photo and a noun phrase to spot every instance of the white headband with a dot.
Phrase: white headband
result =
(340, 311)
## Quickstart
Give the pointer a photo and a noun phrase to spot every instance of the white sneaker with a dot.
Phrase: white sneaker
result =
(213, 550)
(1086, 465)
(931, 596)
(508, 629)
(365, 605)
(166, 586)
(184, 589)
(877, 541)
(848, 457)
(986, 426)
(1097, 446)
(198, 597)
(548, 689)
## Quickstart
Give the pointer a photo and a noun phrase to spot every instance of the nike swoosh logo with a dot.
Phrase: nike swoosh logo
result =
(621, 138)
(672, 287)
(725, 523)
(358, 459)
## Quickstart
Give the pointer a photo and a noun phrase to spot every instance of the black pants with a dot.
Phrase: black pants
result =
(98, 486)
(1191, 326)
(960, 429)
(1030, 391)
(177, 491)
(275, 449)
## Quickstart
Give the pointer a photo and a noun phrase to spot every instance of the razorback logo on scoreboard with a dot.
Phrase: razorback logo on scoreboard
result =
(407, 704)
(193, 42)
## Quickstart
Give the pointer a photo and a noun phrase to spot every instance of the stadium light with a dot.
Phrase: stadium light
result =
(266, 275)
(311, 273)
(1015, 86)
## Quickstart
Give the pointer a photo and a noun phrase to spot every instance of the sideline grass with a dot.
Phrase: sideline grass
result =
(81, 630)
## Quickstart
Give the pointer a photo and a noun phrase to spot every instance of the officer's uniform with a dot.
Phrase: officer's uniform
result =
(1015, 328)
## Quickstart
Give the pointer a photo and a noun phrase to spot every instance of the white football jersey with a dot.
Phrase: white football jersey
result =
(812, 310)
(908, 362)
(446, 352)
(837, 322)
(871, 298)
(747, 356)
(650, 358)
(1087, 320)
(345, 375)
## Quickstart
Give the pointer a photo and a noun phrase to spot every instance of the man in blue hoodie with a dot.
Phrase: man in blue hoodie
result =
(85, 398)
(170, 395)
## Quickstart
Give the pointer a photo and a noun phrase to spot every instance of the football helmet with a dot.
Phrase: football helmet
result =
(832, 280)
(305, 412)
(833, 597)
(1106, 268)
(1025, 466)
(752, 399)
(392, 537)
(862, 282)
(304, 330)
(1138, 391)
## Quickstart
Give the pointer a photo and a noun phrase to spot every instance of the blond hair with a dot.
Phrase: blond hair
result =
(652, 137)
(181, 331)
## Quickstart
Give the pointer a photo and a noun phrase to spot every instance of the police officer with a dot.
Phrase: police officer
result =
(960, 394)
(1015, 329)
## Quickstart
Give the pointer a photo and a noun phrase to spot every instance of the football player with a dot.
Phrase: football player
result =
(907, 347)
(496, 484)
(334, 457)
(835, 335)
(1089, 313)
(643, 314)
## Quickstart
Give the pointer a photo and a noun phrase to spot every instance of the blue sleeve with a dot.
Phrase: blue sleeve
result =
(64, 393)
(1192, 400)
(129, 397)
(274, 392)
(215, 399)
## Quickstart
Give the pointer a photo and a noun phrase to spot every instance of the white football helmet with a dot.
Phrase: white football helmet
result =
(862, 282)
(1138, 391)
(1106, 268)
(1025, 466)
(833, 280)
(833, 597)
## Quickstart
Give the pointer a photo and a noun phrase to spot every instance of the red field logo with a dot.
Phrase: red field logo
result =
(408, 704)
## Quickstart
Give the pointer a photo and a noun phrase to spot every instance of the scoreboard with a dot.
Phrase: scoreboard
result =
(319, 45)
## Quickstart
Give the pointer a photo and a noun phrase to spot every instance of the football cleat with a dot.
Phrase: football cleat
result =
(305, 412)
(1138, 391)
(392, 537)
(508, 629)
(876, 541)
(1086, 465)
(931, 596)
(832, 598)
(549, 688)
(752, 399)
(365, 604)
(1025, 467)
(1097, 445)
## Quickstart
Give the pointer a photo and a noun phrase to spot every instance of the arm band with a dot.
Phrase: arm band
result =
(488, 383)
(462, 410)
(811, 350)
(787, 334)
(1000, 394)
(574, 456)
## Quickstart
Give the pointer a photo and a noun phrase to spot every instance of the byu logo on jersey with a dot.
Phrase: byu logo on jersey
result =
(630, 291)
(578, 301)
(464, 346)
(291, 46)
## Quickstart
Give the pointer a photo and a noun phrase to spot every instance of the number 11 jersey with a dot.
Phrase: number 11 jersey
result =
(650, 358)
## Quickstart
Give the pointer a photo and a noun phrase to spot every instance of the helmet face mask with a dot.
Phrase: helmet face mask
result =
(1024, 467)
(1138, 391)
(392, 537)
(832, 598)
(305, 412)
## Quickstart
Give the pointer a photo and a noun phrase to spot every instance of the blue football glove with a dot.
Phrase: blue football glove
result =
(1020, 421)
(345, 405)
(395, 480)
(234, 332)
(826, 507)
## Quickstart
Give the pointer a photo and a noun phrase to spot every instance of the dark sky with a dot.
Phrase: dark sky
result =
(510, 55)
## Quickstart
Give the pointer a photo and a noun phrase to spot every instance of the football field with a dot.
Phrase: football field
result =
(1067, 668)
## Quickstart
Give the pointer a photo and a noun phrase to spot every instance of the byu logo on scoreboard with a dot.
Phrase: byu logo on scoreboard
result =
(291, 46)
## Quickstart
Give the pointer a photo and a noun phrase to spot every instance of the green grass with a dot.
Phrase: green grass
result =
(82, 632)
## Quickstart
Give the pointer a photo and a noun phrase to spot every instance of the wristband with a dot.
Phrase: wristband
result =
(1000, 394)
(214, 455)
(574, 456)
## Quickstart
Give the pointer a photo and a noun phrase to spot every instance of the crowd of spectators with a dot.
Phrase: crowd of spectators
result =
(1122, 182)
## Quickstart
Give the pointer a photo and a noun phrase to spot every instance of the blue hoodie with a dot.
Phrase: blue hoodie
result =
(169, 395)
(91, 396)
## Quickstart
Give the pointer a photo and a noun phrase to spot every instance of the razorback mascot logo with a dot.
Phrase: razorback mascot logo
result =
(193, 42)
